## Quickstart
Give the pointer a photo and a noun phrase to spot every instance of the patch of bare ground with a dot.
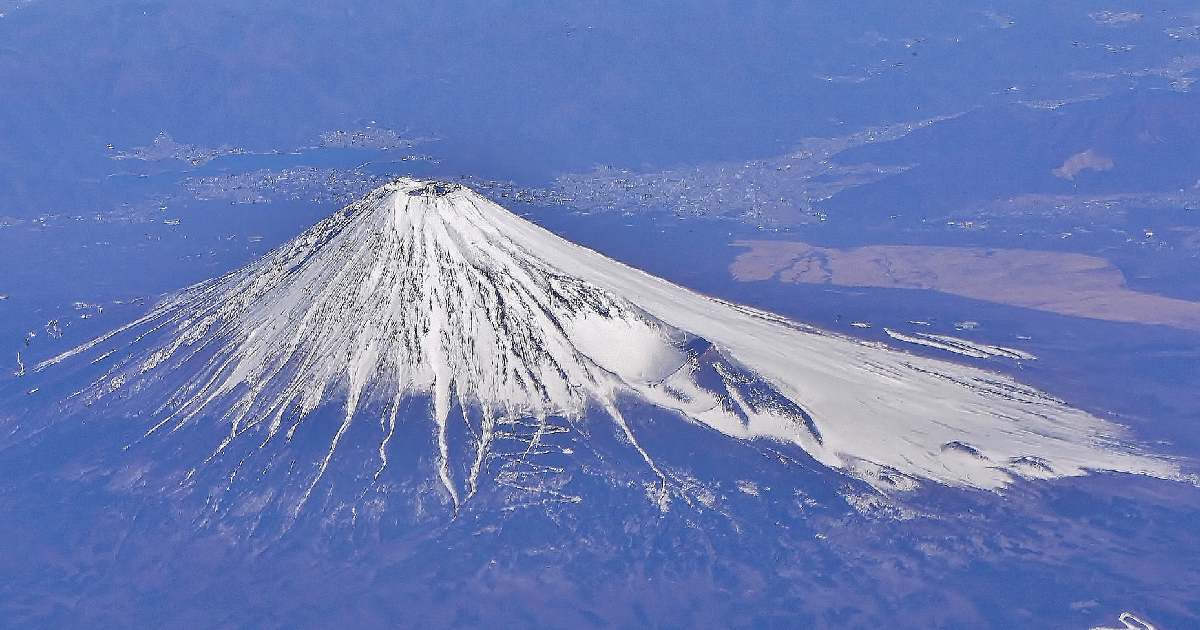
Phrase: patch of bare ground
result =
(1085, 161)
(1068, 284)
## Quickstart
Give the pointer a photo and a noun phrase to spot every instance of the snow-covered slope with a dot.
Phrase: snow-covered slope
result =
(429, 289)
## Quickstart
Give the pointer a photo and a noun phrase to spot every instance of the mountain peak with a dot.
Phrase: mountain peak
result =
(424, 187)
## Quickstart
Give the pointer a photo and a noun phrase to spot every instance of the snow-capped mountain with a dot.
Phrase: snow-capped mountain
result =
(426, 306)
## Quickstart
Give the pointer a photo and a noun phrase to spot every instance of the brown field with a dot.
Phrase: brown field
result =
(1063, 283)
(1088, 160)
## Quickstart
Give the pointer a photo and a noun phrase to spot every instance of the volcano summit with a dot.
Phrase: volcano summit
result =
(427, 307)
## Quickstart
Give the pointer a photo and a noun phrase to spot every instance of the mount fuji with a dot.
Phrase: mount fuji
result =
(427, 308)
